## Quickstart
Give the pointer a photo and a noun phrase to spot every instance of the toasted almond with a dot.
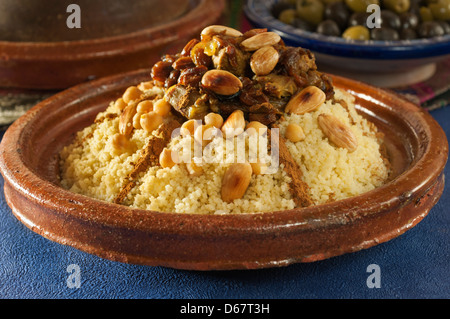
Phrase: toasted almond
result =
(337, 132)
(264, 60)
(307, 100)
(126, 119)
(294, 133)
(221, 82)
(220, 29)
(234, 125)
(260, 40)
(235, 181)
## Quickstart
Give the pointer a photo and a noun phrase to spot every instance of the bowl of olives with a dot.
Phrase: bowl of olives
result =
(386, 43)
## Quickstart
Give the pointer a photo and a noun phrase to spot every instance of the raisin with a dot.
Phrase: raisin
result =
(188, 47)
(192, 76)
(183, 63)
(161, 71)
(172, 79)
(199, 56)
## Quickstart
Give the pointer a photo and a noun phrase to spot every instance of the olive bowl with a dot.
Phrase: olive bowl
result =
(416, 145)
(384, 64)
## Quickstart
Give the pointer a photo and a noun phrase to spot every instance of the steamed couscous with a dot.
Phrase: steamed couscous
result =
(185, 144)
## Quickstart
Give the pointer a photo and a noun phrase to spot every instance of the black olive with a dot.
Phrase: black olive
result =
(384, 34)
(430, 29)
(445, 26)
(338, 12)
(328, 27)
(409, 20)
(389, 19)
(358, 18)
(408, 34)
(302, 24)
(278, 7)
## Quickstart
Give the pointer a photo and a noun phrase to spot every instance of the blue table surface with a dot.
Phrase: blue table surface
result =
(414, 265)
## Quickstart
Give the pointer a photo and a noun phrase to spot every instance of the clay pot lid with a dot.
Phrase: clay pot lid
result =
(43, 54)
(416, 144)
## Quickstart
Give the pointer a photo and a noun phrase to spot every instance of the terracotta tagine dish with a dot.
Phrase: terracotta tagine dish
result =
(416, 146)
(40, 48)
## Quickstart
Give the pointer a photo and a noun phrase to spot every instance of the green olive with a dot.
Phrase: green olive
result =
(398, 6)
(360, 5)
(440, 10)
(310, 11)
(357, 32)
(426, 14)
(287, 16)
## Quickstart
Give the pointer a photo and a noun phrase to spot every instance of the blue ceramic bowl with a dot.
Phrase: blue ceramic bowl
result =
(384, 63)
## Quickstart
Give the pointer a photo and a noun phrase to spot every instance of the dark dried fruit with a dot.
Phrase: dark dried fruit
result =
(172, 79)
(192, 76)
(188, 47)
(183, 63)
(199, 56)
(161, 71)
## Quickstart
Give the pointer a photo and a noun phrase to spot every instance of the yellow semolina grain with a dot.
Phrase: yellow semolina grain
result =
(92, 167)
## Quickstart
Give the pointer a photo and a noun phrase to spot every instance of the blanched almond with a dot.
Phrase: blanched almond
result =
(221, 82)
(337, 132)
(264, 60)
(234, 125)
(236, 181)
(220, 29)
(307, 100)
(260, 40)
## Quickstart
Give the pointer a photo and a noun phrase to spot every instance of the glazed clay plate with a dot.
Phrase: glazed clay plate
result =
(39, 51)
(416, 144)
